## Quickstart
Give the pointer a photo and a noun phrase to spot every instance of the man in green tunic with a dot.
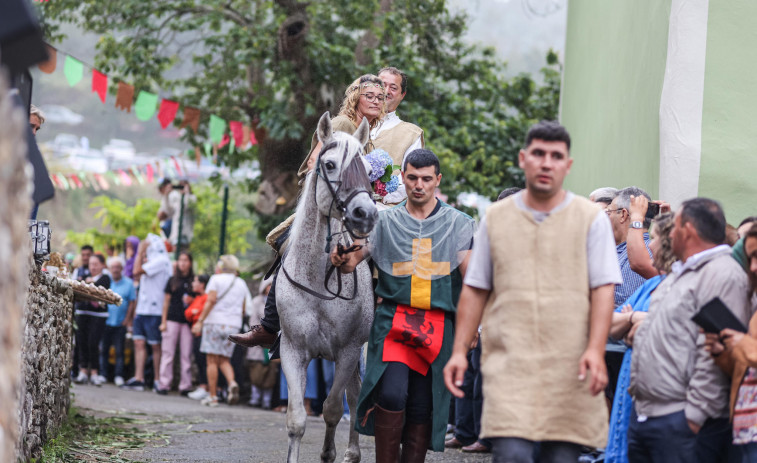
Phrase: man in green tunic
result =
(420, 249)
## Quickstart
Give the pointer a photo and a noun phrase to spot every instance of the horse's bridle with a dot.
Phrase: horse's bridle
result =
(341, 205)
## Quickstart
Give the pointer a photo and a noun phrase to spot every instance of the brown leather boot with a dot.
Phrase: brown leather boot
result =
(388, 431)
(257, 336)
(415, 442)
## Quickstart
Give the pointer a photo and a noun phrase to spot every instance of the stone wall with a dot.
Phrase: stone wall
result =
(46, 361)
(15, 205)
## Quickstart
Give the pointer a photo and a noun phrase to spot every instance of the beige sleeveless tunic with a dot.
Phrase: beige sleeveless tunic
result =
(536, 327)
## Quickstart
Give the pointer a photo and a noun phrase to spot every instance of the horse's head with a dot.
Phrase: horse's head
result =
(343, 189)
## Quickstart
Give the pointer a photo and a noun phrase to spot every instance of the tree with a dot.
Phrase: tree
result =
(279, 64)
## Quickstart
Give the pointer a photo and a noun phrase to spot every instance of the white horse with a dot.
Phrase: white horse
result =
(324, 314)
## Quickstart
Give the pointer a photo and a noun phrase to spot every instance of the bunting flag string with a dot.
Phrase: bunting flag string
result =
(147, 103)
(149, 173)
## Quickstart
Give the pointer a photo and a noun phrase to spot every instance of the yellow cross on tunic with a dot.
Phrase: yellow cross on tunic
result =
(422, 268)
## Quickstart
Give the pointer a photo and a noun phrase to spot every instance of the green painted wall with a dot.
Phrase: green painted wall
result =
(615, 56)
(729, 127)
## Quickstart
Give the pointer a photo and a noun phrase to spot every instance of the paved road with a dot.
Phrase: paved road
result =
(191, 432)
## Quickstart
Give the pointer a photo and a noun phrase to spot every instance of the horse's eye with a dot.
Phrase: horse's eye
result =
(330, 165)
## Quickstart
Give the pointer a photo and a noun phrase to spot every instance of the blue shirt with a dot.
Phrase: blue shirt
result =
(124, 288)
(631, 280)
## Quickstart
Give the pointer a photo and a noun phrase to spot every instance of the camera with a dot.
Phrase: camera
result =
(653, 209)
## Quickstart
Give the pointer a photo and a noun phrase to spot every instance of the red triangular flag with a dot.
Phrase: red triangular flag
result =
(224, 141)
(150, 173)
(237, 132)
(99, 84)
(167, 112)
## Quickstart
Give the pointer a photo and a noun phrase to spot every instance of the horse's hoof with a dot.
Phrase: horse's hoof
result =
(351, 457)
(328, 457)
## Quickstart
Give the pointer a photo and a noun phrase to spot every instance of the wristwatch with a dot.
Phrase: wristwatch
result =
(638, 225)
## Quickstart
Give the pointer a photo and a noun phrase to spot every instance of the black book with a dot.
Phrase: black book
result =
(715, 316)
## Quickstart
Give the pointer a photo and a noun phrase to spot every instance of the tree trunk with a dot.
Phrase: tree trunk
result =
(280, 159)
(369, 40)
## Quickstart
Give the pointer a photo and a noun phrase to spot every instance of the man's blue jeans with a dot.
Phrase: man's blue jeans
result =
(113, 336)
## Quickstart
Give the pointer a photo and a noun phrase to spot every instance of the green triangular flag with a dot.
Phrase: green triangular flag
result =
(146, 105)
(217, 128)
(208, 149)
(74, 70)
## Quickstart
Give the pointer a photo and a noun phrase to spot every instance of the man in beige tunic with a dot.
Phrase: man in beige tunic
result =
(393, 135)
(540, 282)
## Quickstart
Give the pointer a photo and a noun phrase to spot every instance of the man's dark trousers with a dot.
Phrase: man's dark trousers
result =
(669, 439)
(465, 423)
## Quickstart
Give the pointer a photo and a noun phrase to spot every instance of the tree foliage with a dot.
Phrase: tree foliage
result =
(279, 64)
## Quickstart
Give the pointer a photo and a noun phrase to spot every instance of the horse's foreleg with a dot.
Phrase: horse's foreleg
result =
(345, 369)
(352, 455)
(295, 365)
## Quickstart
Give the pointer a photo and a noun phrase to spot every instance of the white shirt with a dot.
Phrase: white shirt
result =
(600, 249)
(389, 122)
(152, 286)
(679, 267)
(231, 295)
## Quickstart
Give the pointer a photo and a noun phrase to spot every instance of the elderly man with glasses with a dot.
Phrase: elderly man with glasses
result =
(619, 211)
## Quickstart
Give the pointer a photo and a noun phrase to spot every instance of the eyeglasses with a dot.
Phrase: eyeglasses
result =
(372, 97)
(610, 211)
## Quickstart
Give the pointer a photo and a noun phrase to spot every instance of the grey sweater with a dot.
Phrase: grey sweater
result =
(670, 370)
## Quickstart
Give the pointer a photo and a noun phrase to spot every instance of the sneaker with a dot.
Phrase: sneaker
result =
(210, 401)
(160, 391)
(97, 380)
(198, 394)
(119, 381)
(82, 378)
(233, 396)
(134, 385)
(156, 385)
(185, 392)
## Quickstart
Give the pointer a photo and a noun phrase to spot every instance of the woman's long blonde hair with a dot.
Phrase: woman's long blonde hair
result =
(352, 97)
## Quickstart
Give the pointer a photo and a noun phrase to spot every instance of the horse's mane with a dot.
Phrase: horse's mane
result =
(353, 175)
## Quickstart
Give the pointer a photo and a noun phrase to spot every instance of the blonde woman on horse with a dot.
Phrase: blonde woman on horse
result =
(363, 98)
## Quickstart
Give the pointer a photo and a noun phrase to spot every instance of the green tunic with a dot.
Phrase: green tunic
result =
(451, 231)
